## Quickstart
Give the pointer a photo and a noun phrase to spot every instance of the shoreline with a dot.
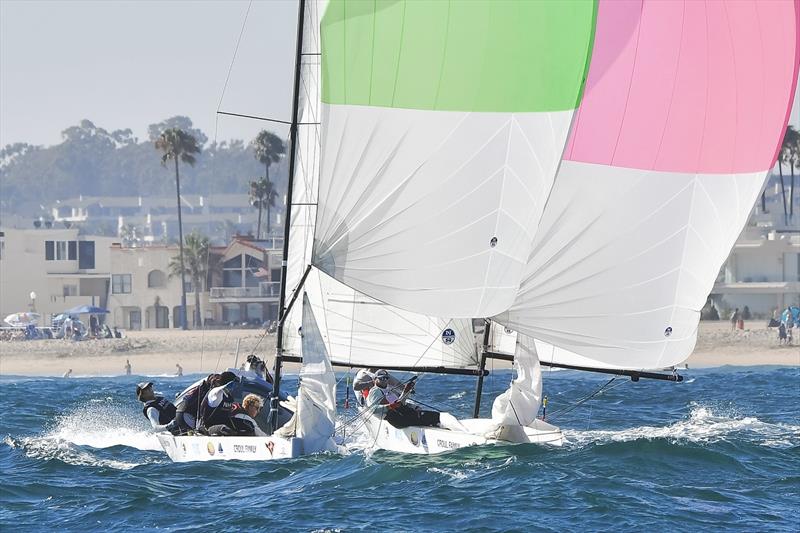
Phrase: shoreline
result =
(155, 353)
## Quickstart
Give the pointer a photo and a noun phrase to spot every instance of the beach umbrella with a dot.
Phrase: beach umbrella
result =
(86, 309)
(22, 319)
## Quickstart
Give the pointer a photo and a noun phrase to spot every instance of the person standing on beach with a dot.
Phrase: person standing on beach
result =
(179, 370)
(67, 374)
(734, 319)
(127, 367)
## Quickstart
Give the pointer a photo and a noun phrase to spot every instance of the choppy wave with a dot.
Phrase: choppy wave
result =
(703, 425)
(721, 454)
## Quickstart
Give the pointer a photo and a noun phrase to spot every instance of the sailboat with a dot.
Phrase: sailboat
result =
(297, 426)
(575, 172)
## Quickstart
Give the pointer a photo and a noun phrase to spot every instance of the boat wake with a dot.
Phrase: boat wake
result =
(49, 448)
(104, 427)
(703, 425)
(89, 427)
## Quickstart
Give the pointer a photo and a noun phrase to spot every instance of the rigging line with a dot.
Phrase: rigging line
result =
(222, 349)
(235, 51)
(255, 117)
(605, 387)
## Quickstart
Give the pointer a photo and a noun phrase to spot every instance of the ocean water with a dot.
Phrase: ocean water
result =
(720, 451)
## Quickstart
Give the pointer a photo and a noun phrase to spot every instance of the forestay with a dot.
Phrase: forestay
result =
(443, 127)
(684, 107)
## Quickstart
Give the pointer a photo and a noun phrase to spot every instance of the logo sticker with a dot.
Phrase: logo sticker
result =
(211, 449)
(220, 448)
(414, 438)
(668, 331)
(448, 336)
(270, 447)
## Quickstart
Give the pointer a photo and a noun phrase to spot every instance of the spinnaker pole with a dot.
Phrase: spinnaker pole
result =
(274, 400)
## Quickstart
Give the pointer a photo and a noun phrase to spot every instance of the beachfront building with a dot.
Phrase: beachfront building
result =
(143, 294)
(246, 286)
(763, 269)
(242, 287)
(219, 216)
(61, 268)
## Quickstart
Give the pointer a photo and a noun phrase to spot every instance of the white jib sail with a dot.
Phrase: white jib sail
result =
(316, 402)
(519, 405)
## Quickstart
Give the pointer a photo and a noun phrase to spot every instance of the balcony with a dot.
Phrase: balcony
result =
(265, 291)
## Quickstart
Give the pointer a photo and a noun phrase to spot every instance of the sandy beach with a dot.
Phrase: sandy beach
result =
(156, 352)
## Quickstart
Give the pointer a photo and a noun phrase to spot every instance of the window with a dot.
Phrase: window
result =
(156, 279)
(120, 283)
(49, 250)
(70, 290)
(72, 250)
(61, 250)
(86, 255)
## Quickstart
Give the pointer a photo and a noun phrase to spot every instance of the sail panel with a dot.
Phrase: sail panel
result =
(519, 404)
(443, 126)
(432, 211)
(694, 87)
(481, 55)
(655, 187)
(362, 331)
(316, 403)
(305, 181)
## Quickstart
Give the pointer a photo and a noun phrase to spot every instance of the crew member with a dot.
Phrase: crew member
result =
(217, 405)
(395, 410)
(157, 409)
(364, 379)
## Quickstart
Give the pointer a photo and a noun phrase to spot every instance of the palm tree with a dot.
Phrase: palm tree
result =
(196, 264)
(783, 157)
(268, 148)
(792, 142)
(177, 144)
(263, 195)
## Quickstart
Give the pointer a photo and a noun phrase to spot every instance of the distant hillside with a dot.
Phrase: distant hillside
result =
(93, 161)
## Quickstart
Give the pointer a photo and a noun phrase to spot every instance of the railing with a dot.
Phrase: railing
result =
(268, 289)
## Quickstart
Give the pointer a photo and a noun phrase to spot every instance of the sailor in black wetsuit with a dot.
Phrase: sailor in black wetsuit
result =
(158, 410)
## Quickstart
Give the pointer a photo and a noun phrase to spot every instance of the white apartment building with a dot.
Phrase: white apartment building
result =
(62, 268)
(143, 295)
(763, 269)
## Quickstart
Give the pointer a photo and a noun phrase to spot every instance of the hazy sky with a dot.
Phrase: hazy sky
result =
(126, 64)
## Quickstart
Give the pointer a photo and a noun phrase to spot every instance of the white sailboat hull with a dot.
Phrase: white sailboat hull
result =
(207, 448)
(434, 440)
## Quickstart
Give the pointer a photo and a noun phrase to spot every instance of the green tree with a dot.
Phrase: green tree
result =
(177, 145)
(268, 148)
(197, 263)
(791, 144)
(262, 196)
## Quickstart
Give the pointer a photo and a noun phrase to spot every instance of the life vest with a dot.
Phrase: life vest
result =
(166, 411)
(221, 414)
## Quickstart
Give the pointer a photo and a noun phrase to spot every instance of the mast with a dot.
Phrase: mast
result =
(274, 401)
(479, 388)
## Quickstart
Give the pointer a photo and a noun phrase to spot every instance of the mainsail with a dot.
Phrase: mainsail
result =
(356, 329)
(684, 107)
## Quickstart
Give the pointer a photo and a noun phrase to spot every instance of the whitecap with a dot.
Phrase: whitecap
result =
(703, 425)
